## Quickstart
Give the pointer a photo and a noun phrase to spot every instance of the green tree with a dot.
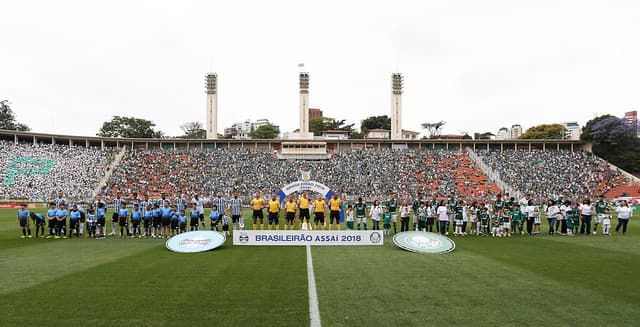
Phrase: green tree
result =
(318, 125)
(544, 132)
(267, 131)
(129, 127)
(374, 122)
(8, 118)
(193, 130)
(433, 129)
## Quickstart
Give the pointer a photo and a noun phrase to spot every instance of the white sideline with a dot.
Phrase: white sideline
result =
(314, 310)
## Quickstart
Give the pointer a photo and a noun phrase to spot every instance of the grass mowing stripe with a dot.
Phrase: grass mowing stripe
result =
(314, 311)
(625, 245)
(576, 264)
(230, 286)
(388, 286)
(376, 286)
(50, 259)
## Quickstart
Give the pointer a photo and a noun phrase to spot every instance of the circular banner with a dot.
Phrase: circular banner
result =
(198, 241)
(424, 242)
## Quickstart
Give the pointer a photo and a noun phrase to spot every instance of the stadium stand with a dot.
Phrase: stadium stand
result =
(37, 172)
(369, 173)
(547, 174)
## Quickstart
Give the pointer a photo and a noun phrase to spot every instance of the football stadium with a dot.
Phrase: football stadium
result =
(534, 273)
(324, 223)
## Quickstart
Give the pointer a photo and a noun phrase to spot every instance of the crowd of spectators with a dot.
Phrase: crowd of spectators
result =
(547, 174)
(368, 173)
(37, 171)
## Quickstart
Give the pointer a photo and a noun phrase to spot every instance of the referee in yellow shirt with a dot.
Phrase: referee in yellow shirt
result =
(303, 204)
(274, 212)
(290, 209)
(319, 206)
(334, 214)
(257, 204)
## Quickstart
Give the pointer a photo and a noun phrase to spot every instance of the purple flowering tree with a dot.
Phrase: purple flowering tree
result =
(614, 140)
(612, 130)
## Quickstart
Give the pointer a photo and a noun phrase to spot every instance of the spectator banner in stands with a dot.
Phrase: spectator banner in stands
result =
(424, 242)
(198, 241)
(27, 166)
(295, 238)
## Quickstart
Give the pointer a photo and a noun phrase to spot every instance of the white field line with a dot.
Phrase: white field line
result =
(314, 310)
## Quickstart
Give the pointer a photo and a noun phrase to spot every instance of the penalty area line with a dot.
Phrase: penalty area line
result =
(314, 311)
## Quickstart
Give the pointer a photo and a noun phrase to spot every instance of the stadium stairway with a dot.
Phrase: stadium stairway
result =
(107, 176)
(498, 185)
(467, 179)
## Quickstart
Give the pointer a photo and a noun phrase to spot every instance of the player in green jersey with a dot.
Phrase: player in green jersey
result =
(518, 219)
(496, 231)
(601, 206)
(421, 217)
(361, 213)
(414, 206)
(498, 204)
(484, 219)
(392, 207)
(505, 220)
(573, 219)
(386, 221)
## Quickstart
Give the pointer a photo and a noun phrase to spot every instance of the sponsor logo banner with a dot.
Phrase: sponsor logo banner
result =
(301, 237)
(198, 241)
(424, 242)
(9, 205)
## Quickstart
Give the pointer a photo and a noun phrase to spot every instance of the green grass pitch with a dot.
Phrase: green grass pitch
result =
(522, 281)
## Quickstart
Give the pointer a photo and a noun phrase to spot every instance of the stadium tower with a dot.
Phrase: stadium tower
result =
(211, 85)
(304, 103)
(396, 106)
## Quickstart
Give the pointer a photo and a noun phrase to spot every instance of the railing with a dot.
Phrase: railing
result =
(107, 175)
(493, 176)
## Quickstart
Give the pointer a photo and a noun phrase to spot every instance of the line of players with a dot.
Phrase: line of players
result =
(151, 218)
(500, 218)
(163, 217)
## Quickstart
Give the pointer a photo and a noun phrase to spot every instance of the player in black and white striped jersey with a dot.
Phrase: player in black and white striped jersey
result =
(60, 200)
(132, 202)
(162, 200)
(144, 203)
(220, 203)
(180, 202)
(117, 203)
(235, 205)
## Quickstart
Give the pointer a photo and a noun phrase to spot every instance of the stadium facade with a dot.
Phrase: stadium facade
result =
(332, 146)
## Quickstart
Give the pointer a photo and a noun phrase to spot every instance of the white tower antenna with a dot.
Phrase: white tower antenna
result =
(397, 82)
(211, 85)
(304, 101)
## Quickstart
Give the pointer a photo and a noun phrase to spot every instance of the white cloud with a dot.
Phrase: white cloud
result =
(67, 66)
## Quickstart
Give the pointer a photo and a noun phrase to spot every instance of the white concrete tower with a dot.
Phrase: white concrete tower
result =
(211, 85)
(396, 106)
(304, 103)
